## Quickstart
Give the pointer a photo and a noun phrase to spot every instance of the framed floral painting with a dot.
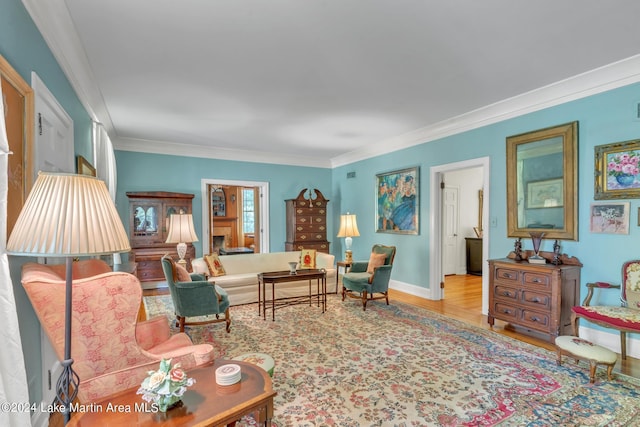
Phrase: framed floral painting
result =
(397, 201)
(609, 217)
(617, 174)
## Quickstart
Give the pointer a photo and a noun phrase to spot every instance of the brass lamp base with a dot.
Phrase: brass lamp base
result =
(348, 256)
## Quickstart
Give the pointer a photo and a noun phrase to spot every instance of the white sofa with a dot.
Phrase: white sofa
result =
(241, 278)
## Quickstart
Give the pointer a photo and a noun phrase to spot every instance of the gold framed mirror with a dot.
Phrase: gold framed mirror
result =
(542, 184)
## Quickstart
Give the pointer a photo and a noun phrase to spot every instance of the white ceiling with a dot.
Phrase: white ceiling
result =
(324, 83)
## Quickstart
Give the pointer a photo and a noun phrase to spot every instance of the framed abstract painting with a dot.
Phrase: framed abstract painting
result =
(397, 201)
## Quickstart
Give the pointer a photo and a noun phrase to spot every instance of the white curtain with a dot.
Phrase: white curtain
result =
(13, 377)
(104, 158)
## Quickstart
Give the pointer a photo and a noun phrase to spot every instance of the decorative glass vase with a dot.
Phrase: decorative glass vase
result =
(536, 238)
(292, 267)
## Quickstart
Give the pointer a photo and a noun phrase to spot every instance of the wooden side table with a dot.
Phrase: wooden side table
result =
(274, 277)
(344, 264)
(204, 404)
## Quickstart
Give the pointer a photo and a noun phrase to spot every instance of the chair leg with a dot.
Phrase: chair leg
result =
(609, 371)
(344, 292)
(386, 297)
(364, 300)
(592, 371)
(227, 319)
(623, 345)
(574, 324)
(182, 320)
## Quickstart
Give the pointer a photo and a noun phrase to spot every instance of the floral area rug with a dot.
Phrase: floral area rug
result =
(399, 365)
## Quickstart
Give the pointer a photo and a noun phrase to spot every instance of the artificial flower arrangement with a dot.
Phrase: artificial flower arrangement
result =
(165, 386)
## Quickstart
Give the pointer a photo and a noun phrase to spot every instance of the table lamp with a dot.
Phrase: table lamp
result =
(68, 215)
(181, 231)
(348, 229)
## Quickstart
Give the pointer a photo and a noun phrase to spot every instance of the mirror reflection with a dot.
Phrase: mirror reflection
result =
(540, 187)
(541, 183)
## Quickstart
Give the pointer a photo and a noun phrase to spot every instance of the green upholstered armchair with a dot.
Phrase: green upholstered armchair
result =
(362, 282)
(197, 297)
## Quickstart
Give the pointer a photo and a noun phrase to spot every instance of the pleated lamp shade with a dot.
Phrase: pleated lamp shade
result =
(68, 215)
(181, 229)
(348, 229)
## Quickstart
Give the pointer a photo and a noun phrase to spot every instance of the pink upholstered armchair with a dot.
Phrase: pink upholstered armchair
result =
(110, 349)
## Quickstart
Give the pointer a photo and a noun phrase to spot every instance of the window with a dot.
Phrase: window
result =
(248, 211)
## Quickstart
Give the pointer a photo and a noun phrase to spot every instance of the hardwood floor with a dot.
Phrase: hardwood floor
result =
(463, 301)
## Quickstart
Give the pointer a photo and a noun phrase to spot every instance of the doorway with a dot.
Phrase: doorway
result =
(235, 216)
(447, 221)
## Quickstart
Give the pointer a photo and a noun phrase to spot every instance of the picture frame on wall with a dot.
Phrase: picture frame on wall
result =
(617, 170)
(397, 201)
(84, 167)
(609, 218)
(545, 194)
(18, 108)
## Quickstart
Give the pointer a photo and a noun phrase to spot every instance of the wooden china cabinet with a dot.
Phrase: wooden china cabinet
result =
(307, 222)
(149, 213)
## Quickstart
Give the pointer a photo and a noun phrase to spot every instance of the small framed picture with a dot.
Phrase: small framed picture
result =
(85, 168)
(610, 218)
(617, 174)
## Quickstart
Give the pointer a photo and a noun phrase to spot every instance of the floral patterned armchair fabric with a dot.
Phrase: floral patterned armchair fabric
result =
(626, 317)
(110, 349)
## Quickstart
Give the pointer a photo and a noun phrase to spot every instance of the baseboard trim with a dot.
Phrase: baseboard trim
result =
(610, 340)
(40, 418)
(410, 289)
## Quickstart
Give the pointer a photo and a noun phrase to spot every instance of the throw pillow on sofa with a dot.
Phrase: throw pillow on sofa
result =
(215, 266)
(307, 259)
(375, 260)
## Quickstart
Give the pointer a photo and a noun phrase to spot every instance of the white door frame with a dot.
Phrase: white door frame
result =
(264, 208)
(435, 222)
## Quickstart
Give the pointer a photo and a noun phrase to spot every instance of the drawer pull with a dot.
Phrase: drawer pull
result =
(507, 276)
(536, 299)
(507, 294)
(506, 311)
(535, 319)
(536, 280)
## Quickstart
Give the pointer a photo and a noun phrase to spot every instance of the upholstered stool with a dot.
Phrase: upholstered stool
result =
(582, 349)
(262, 360)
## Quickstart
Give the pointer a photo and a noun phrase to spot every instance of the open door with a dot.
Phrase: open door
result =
(234, 217)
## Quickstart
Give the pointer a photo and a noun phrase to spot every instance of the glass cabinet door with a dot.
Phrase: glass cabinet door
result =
(145, 221)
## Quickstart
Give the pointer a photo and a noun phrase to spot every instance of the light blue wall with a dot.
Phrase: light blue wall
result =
(603, 119)
(155, 172)
(24, 48)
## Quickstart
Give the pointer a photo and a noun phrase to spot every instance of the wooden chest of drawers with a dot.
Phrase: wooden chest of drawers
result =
(149, 266)
(537, 297)
(307, 223)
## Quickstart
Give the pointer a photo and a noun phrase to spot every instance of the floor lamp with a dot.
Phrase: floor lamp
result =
(68, 216)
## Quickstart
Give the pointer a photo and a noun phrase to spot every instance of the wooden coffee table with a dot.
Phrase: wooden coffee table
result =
(204, 404)
(275, 277)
